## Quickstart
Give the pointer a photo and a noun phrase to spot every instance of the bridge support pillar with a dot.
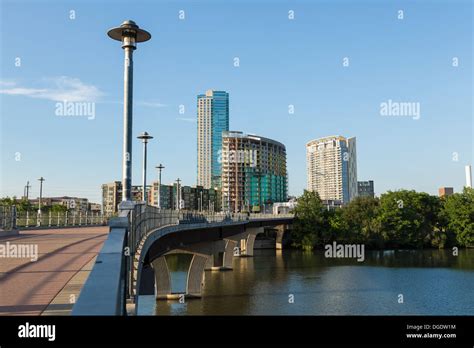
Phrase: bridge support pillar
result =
(280, 231)
(247, 243)
(229, 253)
(214, 261)
(162, 278)
(206, 255)
(195, 280)
(222, 260)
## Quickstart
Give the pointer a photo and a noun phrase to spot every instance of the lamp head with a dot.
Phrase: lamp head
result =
(129, 33)
(144, 137)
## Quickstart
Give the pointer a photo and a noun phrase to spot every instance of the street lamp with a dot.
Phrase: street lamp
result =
(41, 194)
(129, 34)
(144, 137)
(178, 198)
(201, 200)
(160, 167)
(27, 190)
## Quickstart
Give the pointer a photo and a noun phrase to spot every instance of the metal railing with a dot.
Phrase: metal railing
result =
(145, 218)
(7, 217)
(26, 219)
(270, 216)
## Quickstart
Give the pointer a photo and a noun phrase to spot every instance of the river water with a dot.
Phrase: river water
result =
(292, 282)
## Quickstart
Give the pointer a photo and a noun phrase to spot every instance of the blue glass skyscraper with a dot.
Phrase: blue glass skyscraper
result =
(212, 120)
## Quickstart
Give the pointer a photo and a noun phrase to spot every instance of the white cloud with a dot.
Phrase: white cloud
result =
(61, 88)
(150, 104)
(7, 83)
(186, 119)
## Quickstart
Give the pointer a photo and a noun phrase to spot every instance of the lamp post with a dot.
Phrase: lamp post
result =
(129, 34)
(144, 137)
(178, 198)
(160, 167)
(41, 194)
(38, 217)
(26, 190)
(201, 200)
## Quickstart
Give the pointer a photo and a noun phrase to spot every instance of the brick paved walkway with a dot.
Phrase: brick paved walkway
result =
(26, 287)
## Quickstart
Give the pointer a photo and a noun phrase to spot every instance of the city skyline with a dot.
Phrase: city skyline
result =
(241, 159)
(285, 89)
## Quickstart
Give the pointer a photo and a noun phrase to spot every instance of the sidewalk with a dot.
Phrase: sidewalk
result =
(28, 288)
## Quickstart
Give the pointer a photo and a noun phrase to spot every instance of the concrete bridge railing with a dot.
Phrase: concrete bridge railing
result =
(105, 290)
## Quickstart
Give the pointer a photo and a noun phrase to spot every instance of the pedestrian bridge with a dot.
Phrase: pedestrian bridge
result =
(132, 261)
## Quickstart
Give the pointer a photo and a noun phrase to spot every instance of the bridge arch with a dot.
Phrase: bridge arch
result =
(142, 234)
(213, 248)
(208, 244)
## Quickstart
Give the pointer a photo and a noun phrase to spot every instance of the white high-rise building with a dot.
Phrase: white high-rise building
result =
(468, 176)
(331, 164)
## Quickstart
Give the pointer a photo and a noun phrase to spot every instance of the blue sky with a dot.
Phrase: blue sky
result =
(282, 62)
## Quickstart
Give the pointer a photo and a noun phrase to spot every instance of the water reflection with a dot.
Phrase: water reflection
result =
(433, 282)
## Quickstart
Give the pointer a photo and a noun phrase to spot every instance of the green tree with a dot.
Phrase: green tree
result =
(360, 216)
(399, 219)
(458, 214)
(58, 208)
(8, 201)
(309, 221)
(336, 226)
(24, 205)
(408, 218)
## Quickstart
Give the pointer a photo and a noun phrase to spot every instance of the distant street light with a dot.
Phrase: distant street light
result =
(41, 194)
(27, 190)
(129, 34)
(178, 195)
(160, 167)
(39, 201)
(201, 200)
(144, 137)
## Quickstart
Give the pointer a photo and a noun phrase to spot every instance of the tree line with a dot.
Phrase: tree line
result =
(398, 219)
(23, 205)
